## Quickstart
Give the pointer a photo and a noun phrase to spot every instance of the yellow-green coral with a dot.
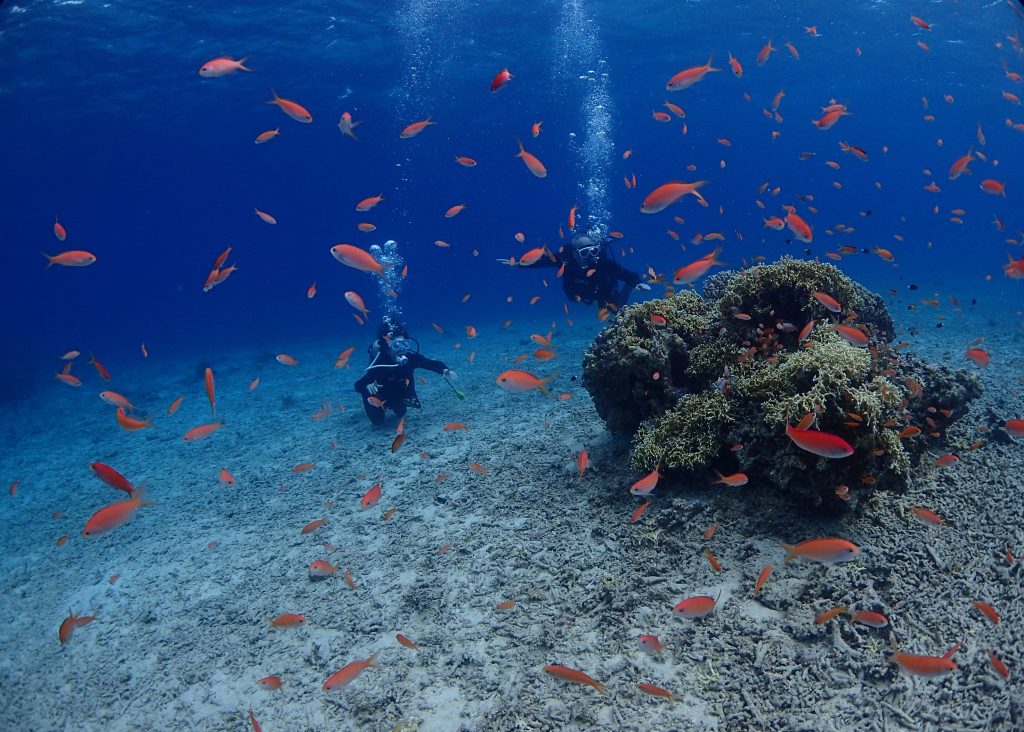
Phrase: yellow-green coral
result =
(820, 374)
(790, 274)
(687, 436)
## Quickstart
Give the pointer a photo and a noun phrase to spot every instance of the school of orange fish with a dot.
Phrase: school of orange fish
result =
(661, 197)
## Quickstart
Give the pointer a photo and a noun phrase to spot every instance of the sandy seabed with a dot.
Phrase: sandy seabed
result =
(182, 637)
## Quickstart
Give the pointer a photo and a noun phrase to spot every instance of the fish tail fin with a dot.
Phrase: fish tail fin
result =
(543, 383)
(276, 98)
(521, 148)
(372, 660)
(600, 687)
(49, 260)
(241, 64)
(790, 554)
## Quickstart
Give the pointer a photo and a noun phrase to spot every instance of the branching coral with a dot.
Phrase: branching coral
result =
(690, 435)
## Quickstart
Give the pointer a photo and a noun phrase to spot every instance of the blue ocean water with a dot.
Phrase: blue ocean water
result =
(108, 128)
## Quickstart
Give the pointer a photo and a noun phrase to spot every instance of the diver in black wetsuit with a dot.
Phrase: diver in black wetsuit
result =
(389, 382)
(603, 285)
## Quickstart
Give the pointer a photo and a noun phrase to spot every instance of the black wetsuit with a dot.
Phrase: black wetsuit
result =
(601, 287)
(397, 383)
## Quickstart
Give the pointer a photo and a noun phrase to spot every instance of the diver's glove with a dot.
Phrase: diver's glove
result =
(644, 286)
(449, 374)
(372, 388)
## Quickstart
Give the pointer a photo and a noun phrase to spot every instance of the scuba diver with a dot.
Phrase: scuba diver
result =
(602, 286)
(388, 382)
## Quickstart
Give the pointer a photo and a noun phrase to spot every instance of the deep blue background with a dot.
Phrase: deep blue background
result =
(106, 123)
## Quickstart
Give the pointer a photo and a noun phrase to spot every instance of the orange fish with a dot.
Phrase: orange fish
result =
(765, 53)
(696, 607)
(695, 270)
(655, 691)
(464, 161)
(209, 391)
(112, 478)
(454, 210)
(799, 227)
(294, 110)
(925, 665)
(959, 167)
(688, 77)
(356, 258)
(994, 187)
(735, 480)
(265, 217)
(408, 643)
(221, 66)
(853, 336)
(367, 203)
(203, 431)
(829, 119)
(116, 400)
(582, 462)
(500, 79)
(533, 164)
(130, 423)
(348, 674)
(869, 618)
(70, 624)
(313, 526)
(823, 550)
(271, 682)
(762, 578)
(517, 381)
(371, 497)
(286, 360)
(639, 511)
(734, 64)
(648, 483)
(288, 620)
(416, 128)
(58, 230)
(650, 644)
(355, 300)
(668, 193)
(987, 610)
(226, 477)
(111, 516)
(267, 136)
(979, 356)
(74, 258)
(570, 674)
(347, 125)
(100, 368)
(322, 568)
(535, 129)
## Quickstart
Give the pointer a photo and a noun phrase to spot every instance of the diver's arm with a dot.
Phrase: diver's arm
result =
(621, 273)
(419, 361)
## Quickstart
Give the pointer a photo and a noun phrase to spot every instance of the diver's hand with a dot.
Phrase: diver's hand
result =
(503, 261)
(644, 286)
(372, 388)
(449, 374)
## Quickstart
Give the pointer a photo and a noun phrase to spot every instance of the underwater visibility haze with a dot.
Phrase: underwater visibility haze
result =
(463, 365)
